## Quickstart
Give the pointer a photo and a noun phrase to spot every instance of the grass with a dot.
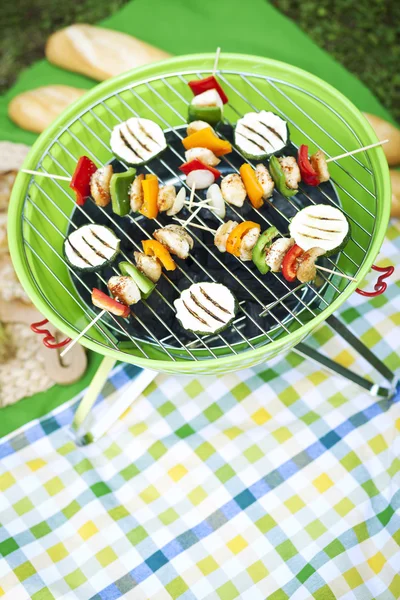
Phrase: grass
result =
(364, 36)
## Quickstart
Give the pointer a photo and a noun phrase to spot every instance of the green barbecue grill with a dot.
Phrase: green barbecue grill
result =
(274, 316)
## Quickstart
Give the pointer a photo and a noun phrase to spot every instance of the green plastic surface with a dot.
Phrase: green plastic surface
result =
(368, 230)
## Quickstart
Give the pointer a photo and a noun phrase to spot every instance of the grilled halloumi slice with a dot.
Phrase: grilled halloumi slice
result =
(148, 265)
(291, 170)
(265, 180)
(233, 190)
(175, 239)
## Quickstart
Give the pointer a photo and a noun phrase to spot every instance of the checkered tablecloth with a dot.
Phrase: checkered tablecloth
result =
(276, 482)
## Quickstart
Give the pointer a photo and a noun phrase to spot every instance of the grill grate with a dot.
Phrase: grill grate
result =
(270, 307)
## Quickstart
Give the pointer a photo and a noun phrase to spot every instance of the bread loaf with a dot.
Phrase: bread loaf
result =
(395, 180)
(99, 53)
(385, 130)
(36, 109)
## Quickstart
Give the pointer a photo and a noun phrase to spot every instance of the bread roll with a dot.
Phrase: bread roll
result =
(12, 156)
(36, 109)
(385, 130)
(395, 179)
(99, 53)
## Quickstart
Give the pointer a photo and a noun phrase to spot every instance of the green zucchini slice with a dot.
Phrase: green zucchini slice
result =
(91, 247)
(259, 135)
(206, 308)
(322, 226)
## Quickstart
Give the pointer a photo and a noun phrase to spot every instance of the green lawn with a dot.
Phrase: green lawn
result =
(363, 35)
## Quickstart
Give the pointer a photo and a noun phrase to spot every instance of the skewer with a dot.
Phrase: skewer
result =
(82, 333)
(336, 273)
(216, 60)
(192, 196)
(357, 150)
(50, 175)
(184, 223)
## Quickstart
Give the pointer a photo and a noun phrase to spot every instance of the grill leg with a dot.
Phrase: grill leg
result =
(379, 391)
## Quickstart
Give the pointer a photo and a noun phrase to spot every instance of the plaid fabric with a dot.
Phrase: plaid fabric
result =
(276, 482)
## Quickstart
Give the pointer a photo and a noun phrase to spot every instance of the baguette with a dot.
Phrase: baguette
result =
(385, 130)
(36, 109)
(99, 53)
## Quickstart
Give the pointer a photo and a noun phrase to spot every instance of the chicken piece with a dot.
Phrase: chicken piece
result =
(291, 171)
(124, 289)
(222, 234)
(175, 239)
(148, 265)
(233, 190)
(166, 197)
(248, 242)
(136, 195)
(319, 164)
(265, 180)
(195, 126)
(277, 252)
(100, 185)
(306, 270)
(206, 156)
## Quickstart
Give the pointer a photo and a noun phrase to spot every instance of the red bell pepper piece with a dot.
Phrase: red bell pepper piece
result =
(103, 301)
(308, 173)
(289, 264)
(197, 165)
(80, 181)
(198, 86)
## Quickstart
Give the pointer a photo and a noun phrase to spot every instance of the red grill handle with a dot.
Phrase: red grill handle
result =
(380, 285)
(48, 340)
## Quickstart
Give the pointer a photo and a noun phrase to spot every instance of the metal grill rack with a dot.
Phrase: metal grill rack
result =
(164, 99)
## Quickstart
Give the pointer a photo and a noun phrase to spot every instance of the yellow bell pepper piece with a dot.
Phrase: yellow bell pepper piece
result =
(149, 207)
(155, 248)
(205, 138)
(252, 185)
(235, 237)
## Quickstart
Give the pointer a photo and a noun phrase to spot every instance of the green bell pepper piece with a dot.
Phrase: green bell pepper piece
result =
(209, 114)
(145, 285)
(119, 188)
(279, 178)
(258, 255)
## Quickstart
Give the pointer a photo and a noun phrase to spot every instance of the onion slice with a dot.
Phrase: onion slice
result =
(217, 202)
(201, 178)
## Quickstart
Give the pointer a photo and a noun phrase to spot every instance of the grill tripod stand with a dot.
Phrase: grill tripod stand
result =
(385, 390)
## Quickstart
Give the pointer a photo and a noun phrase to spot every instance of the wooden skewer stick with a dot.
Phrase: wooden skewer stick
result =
(50, 175)
(82, 333)
(336, 273)
(357, 150)
(184, 223)
(216, 60)
(192, 196)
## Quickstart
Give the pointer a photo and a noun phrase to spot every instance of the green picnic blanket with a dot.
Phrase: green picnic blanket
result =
(183, 27)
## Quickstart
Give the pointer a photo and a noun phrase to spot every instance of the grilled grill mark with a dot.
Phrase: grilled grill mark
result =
(194, 314)
(85, 260)
(94, 234)
(135, 137)
(272, 130)
(259, 134)
(200, 305)
(136, 154)
(317, 218)
(327, 230)
(95, 250)
(147, 134)
(214, 301)
(314, 237)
